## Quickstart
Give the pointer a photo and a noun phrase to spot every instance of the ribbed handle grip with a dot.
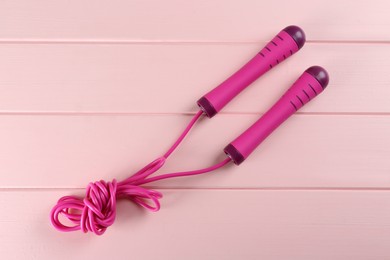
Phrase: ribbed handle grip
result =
(282, 46)
(311, 83)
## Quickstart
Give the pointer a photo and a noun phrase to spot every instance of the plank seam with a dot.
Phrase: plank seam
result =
(180, 42)
(22, 189)
(91, 113)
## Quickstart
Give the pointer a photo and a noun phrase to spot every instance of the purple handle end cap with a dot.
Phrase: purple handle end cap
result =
(207, 107)
(234, 154)
(297, 34)
(320, 74)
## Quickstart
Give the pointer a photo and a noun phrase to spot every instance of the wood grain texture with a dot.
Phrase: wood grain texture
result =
(94, 90)
(170, 78)
(176, 20)
(307, 151)
(297, 225)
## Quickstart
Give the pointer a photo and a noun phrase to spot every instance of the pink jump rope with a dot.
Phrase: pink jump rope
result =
(97, 210)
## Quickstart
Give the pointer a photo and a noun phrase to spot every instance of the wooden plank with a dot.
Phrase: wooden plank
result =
(170, 78)
(203, 20)
(307, 151)
(225, 224)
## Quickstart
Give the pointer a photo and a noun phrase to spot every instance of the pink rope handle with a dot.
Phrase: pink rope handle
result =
(97, 210)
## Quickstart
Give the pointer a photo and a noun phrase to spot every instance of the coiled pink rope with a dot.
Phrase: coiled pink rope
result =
(97, 210)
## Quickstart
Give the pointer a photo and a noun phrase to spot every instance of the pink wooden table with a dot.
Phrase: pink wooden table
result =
(94, 90)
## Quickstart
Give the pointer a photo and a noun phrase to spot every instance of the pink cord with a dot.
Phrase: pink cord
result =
(97, 210)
